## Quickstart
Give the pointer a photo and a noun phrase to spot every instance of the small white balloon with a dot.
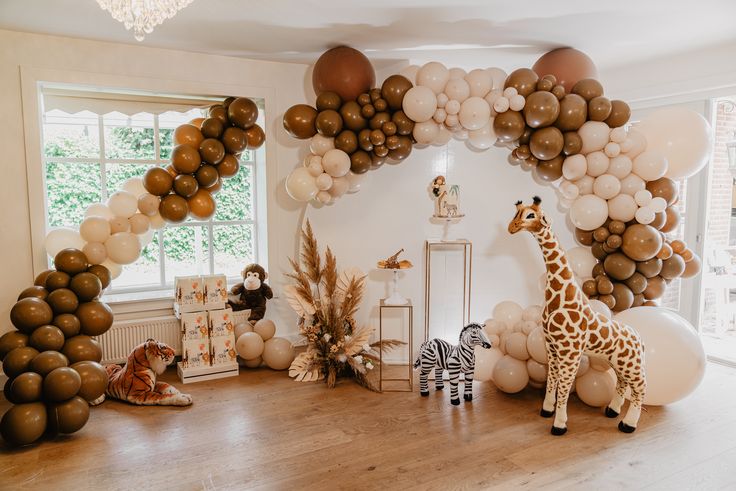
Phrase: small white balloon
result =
(336, 162)
(62, 238)
(94, 229)
(426, 132)
(451, 121)
(315, 169)
(643, 197)
(134, 186)
(319, 145)
(323, 197)
(574, 167)
(139, 223)
(301, 185)
(606, 186)
(457, 89)
(658, 204)
(620, 166)
(618, 135)
(632, 184)
(452, 107)
(597, 163)
(98, 210)
(474, 113)
(480, 82)
(442, 100)
(595, 136)
(634, 144)
(644, 215)
(119, 224)
(439, 115)
(123, 247)
(622, 207)
(324, 181)
(482, 138)
(517, 102)
(123, 204)
(589, 212)
(585, 185)
(510, 92)
(95, 252)
(612, 149)
(340, 186)
(501, 105)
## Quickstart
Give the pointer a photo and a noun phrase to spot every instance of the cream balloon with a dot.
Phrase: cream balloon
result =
(123, 247)
(433, 75)
(114, 268)
(583, 367)
(516, 346)
(443, 136)
(457, 72)
(574, 167)
(323, 181)
(643, 197)
(502, 104)
(452, 108)
(474, 113)
(457, 89)
(645, 215)
(650, 165)
(479, 81)
(622, 207)
(356, 181)
(606, 186)
(594, 135)
(420, 103)
(442, 100)
(340, 186)
(597, 163)
(612, 149)
(485, 362)
(589, 212)
(632, 184)
(426, 132)
(537, 371)
(94, 229)
(134, 186)
(482, 138)
(123, 204)
(410, 72)
(585, 184)
(98, 210)
(320, 145)
(508, 312)
(323, 197)
(440, 115)
(595, 388)
(537, 346)
(510, 375)
(581, 261)
(634, 144)
(241, 328)
(600, 308)
(139, 223)
(532, 313)
(119, 224)
(62, 238)
(278, 353)
(493, 326)
(146, 238)
(265, 328)
(249, 345)
(336, 162)
(301, 185)
(157, 221)
(658, 204)
(95, 252)
(148, 204)
(498, 76)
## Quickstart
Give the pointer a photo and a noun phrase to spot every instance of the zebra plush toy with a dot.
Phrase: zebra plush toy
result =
(441, 355)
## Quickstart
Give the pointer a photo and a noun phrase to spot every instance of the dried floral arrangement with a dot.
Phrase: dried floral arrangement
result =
(326, 301)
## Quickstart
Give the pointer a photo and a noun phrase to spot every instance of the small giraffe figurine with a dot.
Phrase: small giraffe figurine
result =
(572, 328)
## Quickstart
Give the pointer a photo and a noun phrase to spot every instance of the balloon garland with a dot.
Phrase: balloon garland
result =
(52, 358)
(619, 183)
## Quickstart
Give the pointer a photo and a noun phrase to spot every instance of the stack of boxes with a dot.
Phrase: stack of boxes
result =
(207, 328)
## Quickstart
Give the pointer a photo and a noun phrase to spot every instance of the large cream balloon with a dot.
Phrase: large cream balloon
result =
(674, 355)
(484, 137)
(123, 247)
(594, 135)
(480, 82)
(95, 251)
(536, 346)
(457, 89)
(485, 362)
(510, 313)
(537, 371)
(98, 210)
(95, 229)
(574, 167)
(426, 132)
(278, 353)
(595, 388)
(516, 346)
(683, 136)
(650, 165)
(533, 313)
(301, 185)
(62, 238)
(589, 212)
(581, 261)
(510, 375)
(123, 204)
(498, 76)
(606, 186)
(419, 103)
(134, 186)
(336, 162)
(622, 207)
(474, 113)
(249, 345)
(433, 75)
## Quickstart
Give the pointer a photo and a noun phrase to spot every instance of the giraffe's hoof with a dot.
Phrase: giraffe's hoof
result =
(623, 427)
(468, 397)
(455, 402)
(558, 431)
(546, 414)
(610, 413)
(424, 394)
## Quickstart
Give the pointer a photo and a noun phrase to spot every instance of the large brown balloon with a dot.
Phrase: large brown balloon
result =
(546, 143)
(541, 109)
(201, 205)
(599, 108)
(655, 288)
(641, 242)
(509, 125)
(229, 166)
(660, 218)
(620, 114)
(299, 121)
(345, 71)
(588, 88)
(27, 387)
(86, 286)
(47, 361)
(56, 280)
(673, 267)
(186, 159)
(102, 273)
(393, 90)
(206, 176)
(95, 318)
(524, 80)
(573, 113)
(94, 379)
(29, 313)
(212, 151)
(572, 143)
(158, 181)
(619, 267)
(211, 128)
(637, 283)
(23, 424)
(604, 285)
(47, 338)
(68, 323)
(360, 162)
(347, 141)
(329, 123)
(242, 113)
(61, 384)
(550, 170)
(404, 125)
(402, 151)
(71, 261)
(650, 268)
(664, 187)
(63, 301)
(623, 296)
(568, 65)
(34, 291)
(692, 267)
(81, 348)
(174, 208)
(11, 340)
(18, 361)
(672, 219)
(185, 185)
(234, 139)
(584, 237)
(68, 416)
(40, 280)
(329, 100)
(219, 111)
(187, 134)
(255, 136)
(352, 118)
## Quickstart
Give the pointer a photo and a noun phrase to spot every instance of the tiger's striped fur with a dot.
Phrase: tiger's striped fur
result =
(136, 381)
(440, 355)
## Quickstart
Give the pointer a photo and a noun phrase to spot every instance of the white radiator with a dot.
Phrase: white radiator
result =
(124, 336)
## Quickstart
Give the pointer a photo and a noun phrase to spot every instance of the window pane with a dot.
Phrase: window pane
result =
(129, 137)
(71, 135)
(119, 173)
(165, 139)
(235, 199)
(70, 189)
(234, 248)
(186, 251)
(145, 272)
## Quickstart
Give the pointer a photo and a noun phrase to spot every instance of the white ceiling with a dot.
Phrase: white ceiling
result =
(471, 33)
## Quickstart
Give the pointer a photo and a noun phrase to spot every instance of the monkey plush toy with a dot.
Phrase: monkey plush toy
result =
(253, 292)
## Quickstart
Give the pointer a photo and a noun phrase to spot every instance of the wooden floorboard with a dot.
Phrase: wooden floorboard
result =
(262, 430)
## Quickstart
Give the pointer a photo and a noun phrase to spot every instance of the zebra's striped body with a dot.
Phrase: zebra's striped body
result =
(440, 355)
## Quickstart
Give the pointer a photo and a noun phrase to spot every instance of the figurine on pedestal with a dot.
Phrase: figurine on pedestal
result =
(395, 265)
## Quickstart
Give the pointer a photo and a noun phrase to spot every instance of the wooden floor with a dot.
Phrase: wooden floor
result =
(262, 430)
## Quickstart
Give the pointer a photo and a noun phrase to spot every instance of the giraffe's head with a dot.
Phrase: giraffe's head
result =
(529, 217)
(474, 335)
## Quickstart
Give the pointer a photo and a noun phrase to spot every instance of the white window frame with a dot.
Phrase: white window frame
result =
(32, 79)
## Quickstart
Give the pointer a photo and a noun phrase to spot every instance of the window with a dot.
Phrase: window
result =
(93, 142)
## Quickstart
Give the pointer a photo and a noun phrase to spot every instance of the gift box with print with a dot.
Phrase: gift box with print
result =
(194, 325)
(188, 294)
(215, 291)
(221, 323)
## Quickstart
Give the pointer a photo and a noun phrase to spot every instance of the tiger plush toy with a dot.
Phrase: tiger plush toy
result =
(136, 381)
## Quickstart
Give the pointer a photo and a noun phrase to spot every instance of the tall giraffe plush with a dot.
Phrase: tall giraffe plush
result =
(572, 328)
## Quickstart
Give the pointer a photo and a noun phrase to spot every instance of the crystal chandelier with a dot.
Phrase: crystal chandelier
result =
(142, 15)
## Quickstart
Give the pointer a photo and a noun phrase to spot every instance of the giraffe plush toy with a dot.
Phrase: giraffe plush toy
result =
(572, 328)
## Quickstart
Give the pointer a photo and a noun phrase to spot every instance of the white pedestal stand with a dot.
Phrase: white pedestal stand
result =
(395, 298)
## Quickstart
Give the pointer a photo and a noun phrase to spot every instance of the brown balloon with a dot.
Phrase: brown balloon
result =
(609, 300)
(23, 424)
(95, 318)
(378, 120)
(377, 137)
(206, 176)
(598, 252)
(364, 99)
(393, 90)
(255, 136)
(524, 80)
(509, 125)
(29, 313)
(158, 181)
(329, 123)
(299, 121)
(86, 286)
(351, 115)
(526, 136)
(40, 280)
(71, 261)
(11, 340)
(637, 283)
(601, 234)
(659, 220)
(558, 91)
(360, 162)
(598, 270)
(639, 300)
(664, 187)
(67, 416)
(572, 143)
(364, 140)
(185, 185)
(665, 252)
(545, 84)
(692, 267)
(234, 140)
(212, 151)
(27, 387)
(173, 208)
(546, 143)
(588, 88)
(573, 113)
(56, 280)
(402, 151)
(219, 112)
(61, 384)
(380, 105)
(617, 227)
(567, 65)
(672, 219)
(655, 288)
(63, 301)
(18, 361)
(102, 273)
(345, 71)
(599, 108)
(641, 242)
(201, 205)
(614, 241)
(620, 114)
(347, 141)
(187, 134)
(673, 267)
(623, 296)
(376, 161)
(211, 128)
(549, 170)
(68, 323)
(589, 288)
(47, 338)
(170, 169)
(392, 142)
(228, 166)
(404, 125)
(368, 111)
(94, 379)
(650, 268)
(619, 267)
(604, 285)
(584, 237)
(34, 291)
(47, 361)
(186, 159)
(541, 109)
(380, 150)
(242, 112)
(81, 348)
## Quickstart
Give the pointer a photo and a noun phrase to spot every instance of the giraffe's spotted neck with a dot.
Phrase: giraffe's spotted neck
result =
(554, 257)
